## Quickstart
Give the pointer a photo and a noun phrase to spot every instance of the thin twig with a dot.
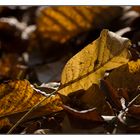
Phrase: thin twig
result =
(26, 114)
(133, 100)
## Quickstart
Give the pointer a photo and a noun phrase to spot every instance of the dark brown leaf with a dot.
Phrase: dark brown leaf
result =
(111, 94)
(11, 67)
(90, 115)
(134, 110)
(11, 30)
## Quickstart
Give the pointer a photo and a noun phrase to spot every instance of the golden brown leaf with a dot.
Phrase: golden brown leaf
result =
(88, 66)
(64, 22)
(19, 96)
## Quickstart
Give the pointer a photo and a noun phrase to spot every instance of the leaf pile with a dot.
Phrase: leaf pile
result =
(71, 69)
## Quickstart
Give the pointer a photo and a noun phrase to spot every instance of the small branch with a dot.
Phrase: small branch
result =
(133, 100)
(26, 114)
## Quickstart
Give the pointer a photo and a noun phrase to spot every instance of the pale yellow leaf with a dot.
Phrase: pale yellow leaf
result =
(88, 66)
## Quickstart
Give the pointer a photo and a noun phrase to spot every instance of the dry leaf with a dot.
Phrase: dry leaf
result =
(126, 76)
(94, 98)
(111, 94)
(85, 121)
(90, 115)
(88, 66)
(87, 99)
(134, 110)
(17, 97)
(64, 22)
(70, 126)
(5, 124)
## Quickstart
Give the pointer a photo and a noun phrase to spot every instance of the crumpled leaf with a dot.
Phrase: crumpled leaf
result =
(74, 125)
(88, 66)
(90, 115)
(17, 97)
(111, 94)
(134, 110)
(126, 76)
(88, 99)
(64, 22)
(94, 98)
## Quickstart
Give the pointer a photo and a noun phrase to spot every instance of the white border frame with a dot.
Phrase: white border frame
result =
(69, 2)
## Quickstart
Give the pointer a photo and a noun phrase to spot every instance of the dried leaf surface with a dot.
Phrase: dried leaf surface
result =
(94, 98)
(90, 115)
(134, 110)
(19, 96)
(88, 99)
(111, 94)
(64, 22)
(88, 66)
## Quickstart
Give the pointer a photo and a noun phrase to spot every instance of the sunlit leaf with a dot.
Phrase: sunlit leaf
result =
(17, 97)
(88, 66)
